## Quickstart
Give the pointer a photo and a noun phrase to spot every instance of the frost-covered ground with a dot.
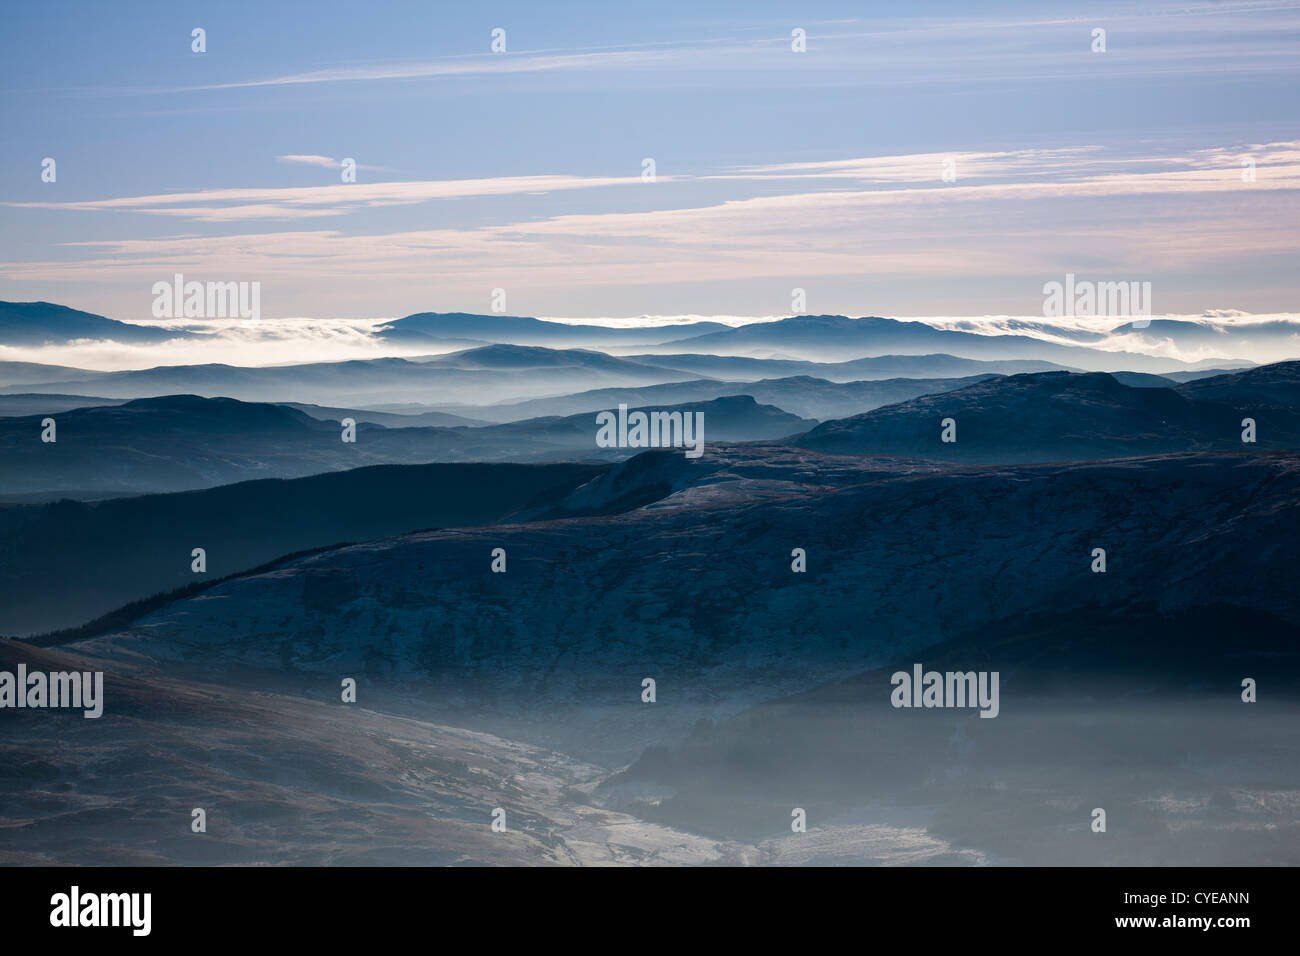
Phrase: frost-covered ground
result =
(523, 690)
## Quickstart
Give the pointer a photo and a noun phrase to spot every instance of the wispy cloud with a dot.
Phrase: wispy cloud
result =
(1129, 214)
(913, 179)
(488, 64)
(1149, 41)
(323, 161)
(327, 162)
(304, 202)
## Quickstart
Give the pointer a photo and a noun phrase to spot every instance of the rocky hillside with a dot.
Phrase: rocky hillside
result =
(1060, 416)
(696, 590)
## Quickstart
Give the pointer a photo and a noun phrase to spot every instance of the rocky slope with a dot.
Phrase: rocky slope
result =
(523, 689)
(186, 442)
(1059, 416)
(696, 590)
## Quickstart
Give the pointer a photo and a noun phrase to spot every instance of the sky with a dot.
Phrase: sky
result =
(915, 159)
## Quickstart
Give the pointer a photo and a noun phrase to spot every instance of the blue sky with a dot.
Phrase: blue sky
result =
(821, 170)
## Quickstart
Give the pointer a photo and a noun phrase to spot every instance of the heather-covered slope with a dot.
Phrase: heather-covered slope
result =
(184, 442)
(697, 589)
(230, 698)
(67, 562)
(1059, 416)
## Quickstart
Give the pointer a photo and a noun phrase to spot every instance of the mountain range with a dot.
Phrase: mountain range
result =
(499, 370)
(430, 328)
(829, 337)
(542, 668)
(644, 657)
(1060, 416)
(45, 323)
(821, 338)
(68, 562)
(185, 442)
(725, 526)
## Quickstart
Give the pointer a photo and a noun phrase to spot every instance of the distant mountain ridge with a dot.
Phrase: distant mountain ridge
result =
(502, 370)
(821, 338)
(68, 562)
(525, 330)
(1062, 416)
(496, 374)
(930, 365)
(801, 395)
(828, 337)
(900, 555)
(186, 442)
(40, 323)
